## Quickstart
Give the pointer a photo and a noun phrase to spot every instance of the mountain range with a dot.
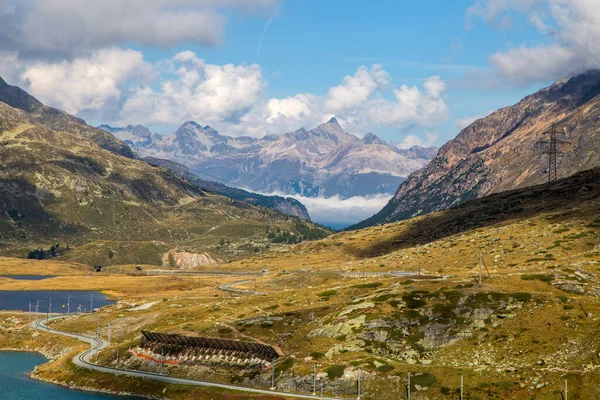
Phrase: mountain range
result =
(324, 161)
(65, 183)
(505, 151)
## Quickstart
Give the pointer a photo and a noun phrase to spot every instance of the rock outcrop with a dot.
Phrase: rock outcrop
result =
(185, 260)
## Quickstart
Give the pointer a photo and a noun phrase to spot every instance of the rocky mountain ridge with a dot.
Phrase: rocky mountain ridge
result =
(501, 152)
(285, 205)
(58, 120)
(324, 161)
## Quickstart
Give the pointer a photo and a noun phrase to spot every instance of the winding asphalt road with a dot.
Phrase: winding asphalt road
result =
(229, 287)
(83, 360)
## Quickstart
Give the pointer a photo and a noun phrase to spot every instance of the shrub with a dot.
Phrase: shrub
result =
(327, 293)
(413, 300)
(562, 298)
(425, 380)
(382, 298)
(335, 372)
(537, 277)
(416, 337)
(370, 285)
(317, 355)
(284, 366)
(385, 368)
(522, 297)
(445, 390)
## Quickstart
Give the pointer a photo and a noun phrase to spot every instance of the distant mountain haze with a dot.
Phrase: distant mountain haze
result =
(284, 205)
(499, 152)
(322, 162)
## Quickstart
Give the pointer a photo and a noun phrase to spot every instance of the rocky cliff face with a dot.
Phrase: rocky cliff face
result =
(324, 161)
(187, 261)
(499, 152)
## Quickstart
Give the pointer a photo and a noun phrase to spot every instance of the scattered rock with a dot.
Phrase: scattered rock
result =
(339, 329)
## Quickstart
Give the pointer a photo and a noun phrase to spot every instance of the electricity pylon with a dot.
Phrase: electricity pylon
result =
(551, 148)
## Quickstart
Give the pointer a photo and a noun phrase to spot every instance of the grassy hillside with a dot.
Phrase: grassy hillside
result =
(518, 334)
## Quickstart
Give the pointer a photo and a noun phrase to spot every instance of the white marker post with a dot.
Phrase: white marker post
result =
(314, 379)
(358, 398)
(408, 386)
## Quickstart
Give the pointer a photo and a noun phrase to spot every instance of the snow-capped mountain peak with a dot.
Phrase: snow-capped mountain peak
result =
(325, 160)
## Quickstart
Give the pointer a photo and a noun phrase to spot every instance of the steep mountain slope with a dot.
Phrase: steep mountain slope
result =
(61, 187)
(285, 205)
(324, 161)
(499, 152)
(58, 120)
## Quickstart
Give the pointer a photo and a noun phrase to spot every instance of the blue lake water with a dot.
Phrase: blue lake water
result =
(79, 300)
(16, 385)
(27, 277)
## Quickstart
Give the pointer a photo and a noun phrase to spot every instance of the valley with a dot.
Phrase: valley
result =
(277, 199)
(334, 303)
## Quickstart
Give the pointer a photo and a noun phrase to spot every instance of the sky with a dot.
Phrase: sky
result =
(412, 72)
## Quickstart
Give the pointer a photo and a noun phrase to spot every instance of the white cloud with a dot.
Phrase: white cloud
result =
(85, 84)
(573, 27)
(200, 91)
(68, 27)
(412, 105)
(10, 66)
(297, 108)
(342, 212)
(117, 86)
(359, 103)
(356, 89)
(413, 140)
(276, 116)
(462, 123)
(528, 64)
